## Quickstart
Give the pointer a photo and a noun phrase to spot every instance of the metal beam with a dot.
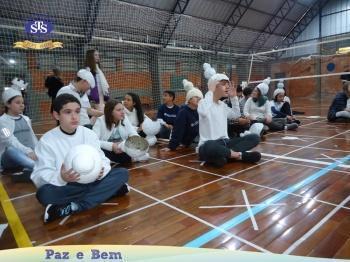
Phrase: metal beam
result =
(302, 24)
(169, 29)
(261, 11)
(90, 19)
(230, 24)
(272, 25)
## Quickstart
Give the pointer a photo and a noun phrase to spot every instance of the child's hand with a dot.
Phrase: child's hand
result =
(165, 149)
(100, 175)
(69, 175)
(232, 90)
(32, 156)
(116, 149)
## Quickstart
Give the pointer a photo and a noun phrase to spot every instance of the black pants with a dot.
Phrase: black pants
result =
(217, 152)
(286, 109)
(122, 158)
(234, 129)
(164, 132)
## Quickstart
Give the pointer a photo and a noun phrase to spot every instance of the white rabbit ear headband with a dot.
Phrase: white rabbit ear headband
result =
(19, 84)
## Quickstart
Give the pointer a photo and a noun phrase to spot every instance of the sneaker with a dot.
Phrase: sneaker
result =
(21, 177)
(53, 212)
(122, 191)
(292, 126)
(251, 157)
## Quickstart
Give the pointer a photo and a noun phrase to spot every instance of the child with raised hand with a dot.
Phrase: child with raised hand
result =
(59, 190)
(19, 149)
(215, 147)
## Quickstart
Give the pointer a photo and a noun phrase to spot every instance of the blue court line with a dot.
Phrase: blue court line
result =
(210, 235)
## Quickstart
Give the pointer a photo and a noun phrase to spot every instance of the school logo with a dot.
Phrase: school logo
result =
(38, 27)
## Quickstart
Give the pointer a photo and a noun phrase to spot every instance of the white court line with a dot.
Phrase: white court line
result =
(312, 147)
(203, 221)
(310, 136)
(97, 225)
(316, 227)
(22, 196)
(296, 139)
(232, 206)
(230, 177)
(252, 217)
(310, 166)
(331, 158)
(200, 186)
(64, 220)
(283, 131)
(303, 160)
(109, 204)
(325, 158)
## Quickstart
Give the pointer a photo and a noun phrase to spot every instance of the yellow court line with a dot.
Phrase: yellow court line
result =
(19, 233)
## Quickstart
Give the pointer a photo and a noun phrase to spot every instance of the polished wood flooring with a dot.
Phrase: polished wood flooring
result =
(306, 208)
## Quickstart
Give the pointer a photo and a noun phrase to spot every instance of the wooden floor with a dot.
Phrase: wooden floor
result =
(302, 188)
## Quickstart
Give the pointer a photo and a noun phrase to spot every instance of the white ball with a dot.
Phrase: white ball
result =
(151, 128)
(152, 140)
(85, 160)
(256, 128)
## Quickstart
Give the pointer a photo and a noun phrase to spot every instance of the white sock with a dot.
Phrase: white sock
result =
(74, 206)
(345, 114)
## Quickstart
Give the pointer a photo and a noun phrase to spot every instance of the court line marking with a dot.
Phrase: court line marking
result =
(22, 196)
(334, 159)
(198, 219)
(64, 220)
(303, 160)
(252, 218)
(285, 131)
(233, 206)
(230, 177)
(97, 225)
(238, 219)
(312, 147)
(316, 227)
(310, 166)
(20, 234)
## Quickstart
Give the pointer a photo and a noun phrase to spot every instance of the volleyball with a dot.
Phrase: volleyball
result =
(85, 160)
(151, 128)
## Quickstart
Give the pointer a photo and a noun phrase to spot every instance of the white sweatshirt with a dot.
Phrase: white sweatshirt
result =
(84, 101)
(253, 111)
(213, 117)
(52, 149)
(103, 133)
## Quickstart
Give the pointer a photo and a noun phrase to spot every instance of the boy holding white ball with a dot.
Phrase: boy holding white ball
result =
(64, 191)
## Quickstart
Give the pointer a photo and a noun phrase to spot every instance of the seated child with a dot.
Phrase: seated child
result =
(58, 188)
(340, 108)
(167, 112)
